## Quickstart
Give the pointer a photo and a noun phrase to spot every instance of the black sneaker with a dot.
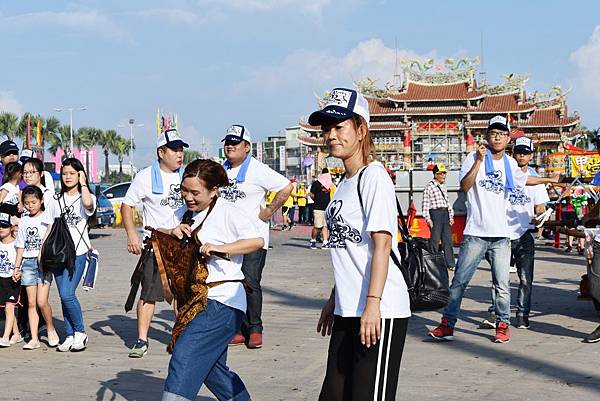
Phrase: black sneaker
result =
(568, 249)
(522, 322)
(593, 337)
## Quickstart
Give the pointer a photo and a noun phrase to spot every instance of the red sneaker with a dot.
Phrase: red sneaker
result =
(502, 333)
(443, 331)
(238, 339)
(255, 341)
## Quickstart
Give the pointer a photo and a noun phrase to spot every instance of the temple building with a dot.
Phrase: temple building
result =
(435, 114)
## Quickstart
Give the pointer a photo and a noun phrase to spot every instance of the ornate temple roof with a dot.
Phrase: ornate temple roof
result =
(430, 92)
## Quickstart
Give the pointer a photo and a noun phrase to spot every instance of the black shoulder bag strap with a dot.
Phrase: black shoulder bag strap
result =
(401, 227)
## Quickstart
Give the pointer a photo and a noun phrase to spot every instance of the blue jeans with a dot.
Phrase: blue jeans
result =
(523, 254)
(200, 356)
(70, 304)
(472, 251)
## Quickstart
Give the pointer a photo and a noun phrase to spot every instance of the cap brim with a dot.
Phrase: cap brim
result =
(177, 144)
(232, 138)
(329, 114)
(4, 225)
(498, 126)
(522, 149)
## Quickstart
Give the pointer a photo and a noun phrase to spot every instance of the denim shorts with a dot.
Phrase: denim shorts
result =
(32, 275)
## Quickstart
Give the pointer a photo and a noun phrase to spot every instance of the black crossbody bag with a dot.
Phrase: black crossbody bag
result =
(424, 272)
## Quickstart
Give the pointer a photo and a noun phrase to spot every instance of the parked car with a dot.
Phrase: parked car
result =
(104, 214)
(115, 196)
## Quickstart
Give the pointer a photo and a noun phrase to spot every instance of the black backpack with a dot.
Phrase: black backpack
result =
(58, 251)
(425, 273)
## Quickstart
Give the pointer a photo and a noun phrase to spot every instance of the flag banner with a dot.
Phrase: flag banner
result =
(585, 165)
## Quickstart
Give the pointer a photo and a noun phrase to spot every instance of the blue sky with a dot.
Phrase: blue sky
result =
(260, 62)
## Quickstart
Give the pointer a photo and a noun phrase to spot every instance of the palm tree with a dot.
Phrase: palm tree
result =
(122, 148)
(51, 126)
(190, 155)
(59, 139)
(108, 140)
(87, 138)
(8, 124)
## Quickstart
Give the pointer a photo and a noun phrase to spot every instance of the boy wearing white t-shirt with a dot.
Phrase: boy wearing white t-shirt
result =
(157, 188)
(249, 181)
(489, 177)
(524, 203)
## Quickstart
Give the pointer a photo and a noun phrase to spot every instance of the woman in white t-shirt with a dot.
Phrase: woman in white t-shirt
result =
(200, 353)
(78, 204)
(368, 310)
(34, 174)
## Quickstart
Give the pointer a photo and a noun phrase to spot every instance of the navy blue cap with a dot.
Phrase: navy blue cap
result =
(7, 147)
(341, 104)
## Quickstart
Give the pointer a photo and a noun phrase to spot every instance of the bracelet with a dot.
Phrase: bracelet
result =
(374, 296)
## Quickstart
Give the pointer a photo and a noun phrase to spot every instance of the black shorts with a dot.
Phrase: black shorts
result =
(10, 291)
(569, 219)
(355, 372)
(152, 289)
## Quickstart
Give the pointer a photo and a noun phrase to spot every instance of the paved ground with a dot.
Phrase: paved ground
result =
(548, 362)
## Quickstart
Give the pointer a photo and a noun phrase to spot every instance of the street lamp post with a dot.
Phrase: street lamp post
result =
(131, 125)
(70, 109)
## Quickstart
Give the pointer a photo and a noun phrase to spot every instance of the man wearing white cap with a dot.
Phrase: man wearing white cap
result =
(250, 180)
(157, 188)
(488, 177)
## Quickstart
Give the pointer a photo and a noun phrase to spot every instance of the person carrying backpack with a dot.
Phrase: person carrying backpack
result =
(78, 204)
(368, 310)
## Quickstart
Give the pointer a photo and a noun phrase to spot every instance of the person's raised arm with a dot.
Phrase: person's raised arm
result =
(468, 180)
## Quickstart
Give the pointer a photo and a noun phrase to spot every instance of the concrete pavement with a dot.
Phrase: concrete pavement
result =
(547, 362)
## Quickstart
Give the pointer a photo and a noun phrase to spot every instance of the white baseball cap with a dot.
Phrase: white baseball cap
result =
(523, 145)
(237, 133)
(498, 122)
(341, 105)
(171, 139)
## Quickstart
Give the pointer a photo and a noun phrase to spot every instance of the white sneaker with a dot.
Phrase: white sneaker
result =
(4, 343)
(32, 345)
(16, 339)
(53, 339)
(66, 345)
(79, 342)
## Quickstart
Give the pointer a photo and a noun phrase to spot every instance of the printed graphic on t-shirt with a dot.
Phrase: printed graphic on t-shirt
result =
(13, 200)
(33, 240)
(493, 182)
(339, 230)
(173, 200)
(71, 217)
(518, 197)
(232, 193)
(5, 264)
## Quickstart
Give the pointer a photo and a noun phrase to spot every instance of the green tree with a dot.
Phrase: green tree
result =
(190, 155)
(122, 148)
(108, 140)
(51, 127)
(59, 139)
(8, 124)
(87, 138)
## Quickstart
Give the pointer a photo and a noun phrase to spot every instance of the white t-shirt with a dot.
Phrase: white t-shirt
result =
(8, 255)
(12, 197)
(31, 234)
(352, 246)
(158, 209)
(225, 224)
(521, 209)
(76, 217)
(487, 200)
(249, 195)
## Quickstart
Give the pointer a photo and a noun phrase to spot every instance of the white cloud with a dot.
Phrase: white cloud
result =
(587, 82)
(176, 16)
(313, 8)
(91, 21)
(321, 69)
(10, 103)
